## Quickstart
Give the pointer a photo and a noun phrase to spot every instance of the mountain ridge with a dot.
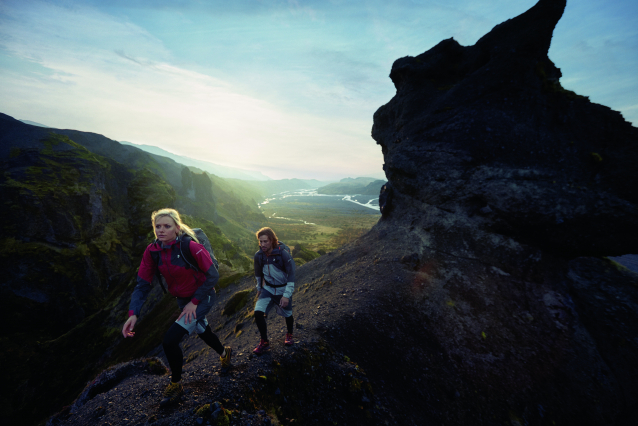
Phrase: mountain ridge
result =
(362, 186)
(216, 169)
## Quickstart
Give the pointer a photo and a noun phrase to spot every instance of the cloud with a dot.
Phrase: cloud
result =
(292, 83)
(92, 86)
(121, 54)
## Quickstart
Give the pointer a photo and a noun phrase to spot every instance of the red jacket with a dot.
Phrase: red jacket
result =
(182, 282)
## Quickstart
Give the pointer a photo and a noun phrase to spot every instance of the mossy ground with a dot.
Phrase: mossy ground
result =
(237, 302)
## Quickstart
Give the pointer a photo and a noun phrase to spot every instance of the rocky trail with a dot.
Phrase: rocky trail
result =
(315, 381)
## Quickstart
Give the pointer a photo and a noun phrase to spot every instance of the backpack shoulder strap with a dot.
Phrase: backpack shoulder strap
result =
(262, 258)
(155, 256)
(187, 255)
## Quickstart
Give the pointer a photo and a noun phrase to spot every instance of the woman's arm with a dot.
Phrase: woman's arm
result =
(259, 272)
(144, 278)
(143, 287)
(289, 266)
(127, 330)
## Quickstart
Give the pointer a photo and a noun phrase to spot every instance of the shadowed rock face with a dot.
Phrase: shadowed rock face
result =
(488, 133)
(501, 182)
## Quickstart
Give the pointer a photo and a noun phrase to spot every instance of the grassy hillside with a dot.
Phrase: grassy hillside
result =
(75, 224)
(330, 222)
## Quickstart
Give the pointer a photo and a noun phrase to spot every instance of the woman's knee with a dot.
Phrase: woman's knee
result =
(258, 314)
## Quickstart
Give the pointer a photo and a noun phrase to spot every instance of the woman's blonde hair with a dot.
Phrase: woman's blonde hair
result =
(173, 214)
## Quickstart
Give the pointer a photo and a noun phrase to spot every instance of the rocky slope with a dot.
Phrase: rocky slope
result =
(323, 379)
(372, 347)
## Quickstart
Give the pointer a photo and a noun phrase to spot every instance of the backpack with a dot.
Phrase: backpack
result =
(281, 246)
(185, 252)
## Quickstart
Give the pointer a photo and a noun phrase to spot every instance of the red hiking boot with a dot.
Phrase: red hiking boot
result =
(263, 346)
(288, 341)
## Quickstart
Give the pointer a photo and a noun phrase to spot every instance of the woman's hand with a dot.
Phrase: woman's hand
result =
(190, 312)
(283, 302)
(127, 330)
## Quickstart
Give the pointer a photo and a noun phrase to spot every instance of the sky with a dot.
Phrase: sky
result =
(287, 88)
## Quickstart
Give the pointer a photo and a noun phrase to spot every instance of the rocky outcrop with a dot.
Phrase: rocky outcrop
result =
(501, 182)
(487, 132)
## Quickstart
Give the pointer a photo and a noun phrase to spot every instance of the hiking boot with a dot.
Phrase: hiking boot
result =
(288, 340)
(172, 393)
(263, 346)
(225, 360)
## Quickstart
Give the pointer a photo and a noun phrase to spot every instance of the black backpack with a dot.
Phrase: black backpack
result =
(185, 253)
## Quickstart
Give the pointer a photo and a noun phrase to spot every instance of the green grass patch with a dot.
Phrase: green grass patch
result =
(332, 223)
(236, 303)
(231, 279)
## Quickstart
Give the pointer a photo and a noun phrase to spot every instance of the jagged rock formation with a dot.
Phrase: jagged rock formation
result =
(490, 126)
(502, 180)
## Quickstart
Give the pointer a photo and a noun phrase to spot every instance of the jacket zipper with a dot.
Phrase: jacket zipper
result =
(270, 275)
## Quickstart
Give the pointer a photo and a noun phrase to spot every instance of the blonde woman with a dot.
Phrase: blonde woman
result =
(194, 291)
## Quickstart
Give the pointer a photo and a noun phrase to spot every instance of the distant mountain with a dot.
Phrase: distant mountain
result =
(359, 180)
(270, 187)
(216, 169)
(350, 186)
(33, 123)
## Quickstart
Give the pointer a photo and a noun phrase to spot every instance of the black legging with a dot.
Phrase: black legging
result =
(260, 320)
(173, 352)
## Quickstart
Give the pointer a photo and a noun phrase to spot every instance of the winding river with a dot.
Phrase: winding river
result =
(365, 201)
